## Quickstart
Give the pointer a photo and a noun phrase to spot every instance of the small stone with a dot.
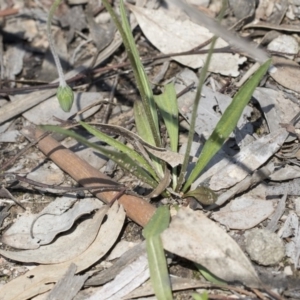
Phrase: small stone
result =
(264, 247)
(288, 271)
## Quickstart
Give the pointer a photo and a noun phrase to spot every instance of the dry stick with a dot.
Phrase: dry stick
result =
(136, 208)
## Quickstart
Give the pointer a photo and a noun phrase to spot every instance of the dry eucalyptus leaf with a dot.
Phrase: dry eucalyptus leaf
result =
(171, 35)
(36, 281)
(285, 173)
(172, 158)
(286, 72)
(292, 187)
(57, 217)
(125, 282)
(47, 173)
(207, 114)
(65, 247)
(277, 109)
(95, 159)
(248, 160)
(14, 61)
(244, 212)
(195, 237)
(285, 44)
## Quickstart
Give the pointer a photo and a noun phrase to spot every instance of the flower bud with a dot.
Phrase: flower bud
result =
(65, 97)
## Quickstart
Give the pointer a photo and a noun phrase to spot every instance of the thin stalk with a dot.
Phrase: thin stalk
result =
(64, 93)
(194, 115)
(196, 103)
(62, 81)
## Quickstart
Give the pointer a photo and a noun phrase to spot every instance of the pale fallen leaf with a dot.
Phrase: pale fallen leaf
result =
(47, 173)
(292, 187)
(37, 281)
(172, 158)
(286, 72)
(122, 247)
(95, 159)
(13, 61)
(207, 114)
(285, 173)
(126, 281)
(286, 44)
(244, 212)
(66, 246)
(57, 217)
(195, 237)
(277, 109)
(248, 160)
(171, 35)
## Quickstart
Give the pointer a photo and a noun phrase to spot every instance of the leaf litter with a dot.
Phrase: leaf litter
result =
(56, 233)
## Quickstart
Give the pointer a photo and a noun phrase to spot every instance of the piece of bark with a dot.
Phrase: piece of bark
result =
(68, 286)
(136, 208)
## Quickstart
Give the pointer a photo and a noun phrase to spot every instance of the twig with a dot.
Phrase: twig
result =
(64, 93)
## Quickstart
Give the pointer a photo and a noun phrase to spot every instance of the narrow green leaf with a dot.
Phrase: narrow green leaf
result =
(227, 123)
(156, 256)
(158, 223)
(121, 147)
(122, 159)
(141, 78)
(159, 275)
(138, 69)
(144, 131)
(194, 114)
(168, 106)
(209, 276)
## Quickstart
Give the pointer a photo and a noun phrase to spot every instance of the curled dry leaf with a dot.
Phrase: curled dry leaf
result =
(195, 237)
(65, 247)
(32, 231)
(37, 281)
(169, 35)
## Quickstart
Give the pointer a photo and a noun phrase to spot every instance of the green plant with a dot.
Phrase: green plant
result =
(64, 93)
(139, 161)
(156, 255)
(145, 165)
